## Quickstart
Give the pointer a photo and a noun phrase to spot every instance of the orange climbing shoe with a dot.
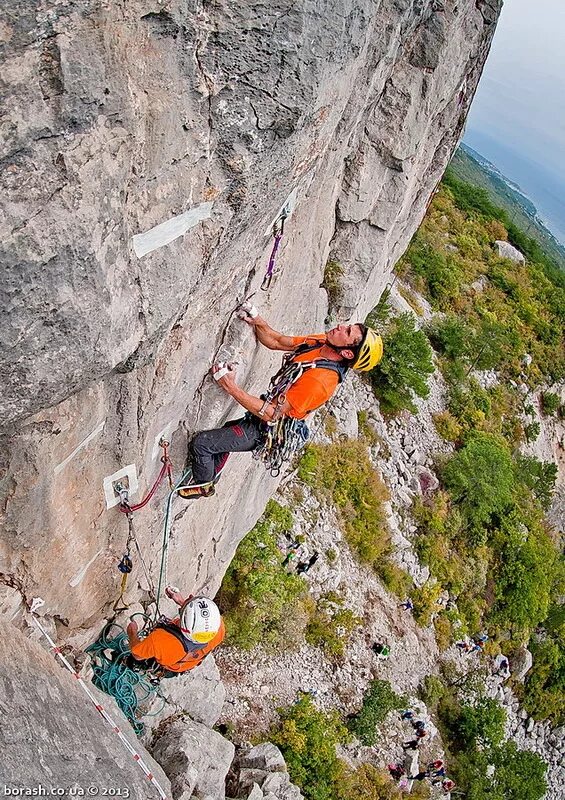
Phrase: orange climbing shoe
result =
(194, 492)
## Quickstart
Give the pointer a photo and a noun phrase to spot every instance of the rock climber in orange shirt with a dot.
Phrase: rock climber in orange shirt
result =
(183, 643)
(273, 426)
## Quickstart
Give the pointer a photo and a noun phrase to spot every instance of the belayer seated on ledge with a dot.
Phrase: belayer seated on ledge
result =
(183, 643)
(274, 426)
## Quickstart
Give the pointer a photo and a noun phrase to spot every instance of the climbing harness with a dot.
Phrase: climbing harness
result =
(125, 565)
(283, 439)
(35, 605)
(286, 436)
(278, 232)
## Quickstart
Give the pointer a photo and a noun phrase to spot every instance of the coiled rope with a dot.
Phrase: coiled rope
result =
(129, 688)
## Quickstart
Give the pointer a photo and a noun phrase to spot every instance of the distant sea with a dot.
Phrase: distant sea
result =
(539, 185)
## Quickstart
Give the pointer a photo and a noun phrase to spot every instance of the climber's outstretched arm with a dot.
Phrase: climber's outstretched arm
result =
(249, 402)
(271, 338)
(265, 334)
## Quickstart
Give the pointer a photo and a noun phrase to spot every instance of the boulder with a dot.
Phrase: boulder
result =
(506, 250)
(195, 758)
(51, 733)
(521, 663)
(264, 756)
(199, 693)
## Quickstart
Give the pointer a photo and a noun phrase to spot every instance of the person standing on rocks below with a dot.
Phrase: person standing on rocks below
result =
(304, 566)
(274, 425)
(183, 643)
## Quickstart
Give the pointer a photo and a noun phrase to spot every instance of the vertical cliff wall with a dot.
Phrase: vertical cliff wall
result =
(147, 148)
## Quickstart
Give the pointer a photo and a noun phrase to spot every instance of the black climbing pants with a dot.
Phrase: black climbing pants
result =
(210, 449)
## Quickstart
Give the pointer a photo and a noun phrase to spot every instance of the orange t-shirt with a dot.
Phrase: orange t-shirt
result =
(316, 386)
(168, 651)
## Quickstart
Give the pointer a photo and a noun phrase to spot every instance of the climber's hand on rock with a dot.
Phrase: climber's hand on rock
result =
(224, 375)
(248, 313)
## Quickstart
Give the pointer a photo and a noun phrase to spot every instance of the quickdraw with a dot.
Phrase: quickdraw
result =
(166, 469)
(125, 565)
(278, 232)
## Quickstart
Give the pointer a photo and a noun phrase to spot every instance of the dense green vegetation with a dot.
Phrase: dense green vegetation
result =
(483, 535)
(308, 738)
(405, 366)
(467, 169)
(482, 763)
(265, 603)
(342, 472)
(261, 601)
(379, 699)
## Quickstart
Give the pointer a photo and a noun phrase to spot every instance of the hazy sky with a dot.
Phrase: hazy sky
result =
(517, 119)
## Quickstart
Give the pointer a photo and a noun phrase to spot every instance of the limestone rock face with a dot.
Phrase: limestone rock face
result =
(51, 734)
(148, 148)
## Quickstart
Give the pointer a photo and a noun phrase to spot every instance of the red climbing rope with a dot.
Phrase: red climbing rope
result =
(166, 469)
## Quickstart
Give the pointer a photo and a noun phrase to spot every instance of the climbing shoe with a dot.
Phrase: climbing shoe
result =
(194, 492)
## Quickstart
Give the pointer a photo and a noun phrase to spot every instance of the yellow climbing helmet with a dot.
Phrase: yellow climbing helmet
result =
(369, 351)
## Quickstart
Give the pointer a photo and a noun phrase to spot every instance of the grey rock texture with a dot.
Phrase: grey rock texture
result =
(521, 663)
(507, 250)
(195, 758)
(51, 734)
(261, 773)
(125, 120)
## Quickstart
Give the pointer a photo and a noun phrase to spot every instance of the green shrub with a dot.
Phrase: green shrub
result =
(431, 691)
(480, 479)
(524, 574)
(367, 783)
(405, 367)
(543, 694)
(261, 601)
(379, 699)
(549, 403)
(343, 472)
(440, 271)
(447, 426)
(449, 336)
(538, 476)
(481, 724)
(308, 739)
(333, 283)
(518, 774)
(331, 626)
(531, 431)
(396, 580)
(379, 316)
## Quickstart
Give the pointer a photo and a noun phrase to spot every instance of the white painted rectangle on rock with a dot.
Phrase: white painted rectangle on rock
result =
(168, 231)
(99, 428)
(127, 476)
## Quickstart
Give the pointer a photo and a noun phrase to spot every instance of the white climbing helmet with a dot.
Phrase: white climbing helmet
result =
(200, 620)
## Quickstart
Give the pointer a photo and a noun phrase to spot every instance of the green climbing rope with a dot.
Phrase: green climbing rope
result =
(130, 688)
(166, 535)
